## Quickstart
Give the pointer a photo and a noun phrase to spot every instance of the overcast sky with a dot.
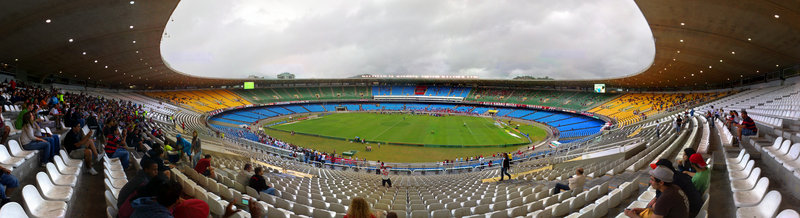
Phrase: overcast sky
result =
(567, 39)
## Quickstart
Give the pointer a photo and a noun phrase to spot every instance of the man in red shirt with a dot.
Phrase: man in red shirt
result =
(748, 126)
(204, 166)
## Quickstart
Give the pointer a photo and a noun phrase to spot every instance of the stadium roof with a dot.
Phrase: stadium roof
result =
(698, 44)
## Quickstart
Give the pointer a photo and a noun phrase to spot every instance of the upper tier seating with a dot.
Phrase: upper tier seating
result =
(561, 99)
(268, 95)
(201, 100)
(631, 108)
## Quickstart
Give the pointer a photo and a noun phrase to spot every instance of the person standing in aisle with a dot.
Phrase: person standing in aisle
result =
(505, 167)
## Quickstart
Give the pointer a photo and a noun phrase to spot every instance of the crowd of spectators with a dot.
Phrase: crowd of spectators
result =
(119, 127)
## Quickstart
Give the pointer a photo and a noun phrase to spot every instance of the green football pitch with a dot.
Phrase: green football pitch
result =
(404, 128)
(416, 129)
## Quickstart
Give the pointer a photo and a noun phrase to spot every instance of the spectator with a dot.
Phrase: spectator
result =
(7, 183)
(148, 172)
(678, 123)
(18, 123)
(256, 209)
(702, 176)
(157, 198)
(55, 142)
(658, 130)
(359, 208)
(391, 214)
(258, 182)
(115, 147)
(385, 177)
(505, 167)
(711, 116)
(192, 208)
(196, 152)
(81, 146)
(54, 111)
(671, 203)
(748, 126)
(575, 182)
(685, 183)
(4, 130)
(156, 154)
(684, 164)
(135, 139)
(733, 119)
(244, 175)
(29, 140)
(204, 166)
(183, 146)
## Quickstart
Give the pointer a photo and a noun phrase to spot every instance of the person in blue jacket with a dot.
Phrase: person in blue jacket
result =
(184, 146)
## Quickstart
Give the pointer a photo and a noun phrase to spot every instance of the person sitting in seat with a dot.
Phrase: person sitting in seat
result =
(258, 182)
(685, 183)
(148, 172)
(157, 199)
(204, 166)
(4, 130)
(671, 203)
(684, 164)
(80, 146)
(29, 140)
(244, 175)
(7, 183)
(702, 175)
(359, 208)
(155, 154)
(115, 147)
(747, 128)
(575, 182)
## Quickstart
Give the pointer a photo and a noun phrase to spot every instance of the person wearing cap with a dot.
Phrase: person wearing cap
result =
(575, 182)
(685, 183)
(671, 203)
(702, 175)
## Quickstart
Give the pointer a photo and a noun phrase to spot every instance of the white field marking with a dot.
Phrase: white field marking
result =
(387, 129)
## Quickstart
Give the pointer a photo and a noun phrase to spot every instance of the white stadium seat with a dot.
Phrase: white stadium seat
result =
(766, 208)
(58, 178)
(788, 213)
(52, 191)
(13, 209)
(63, 168)
(17, 151)
(39, 207)
(751, 197)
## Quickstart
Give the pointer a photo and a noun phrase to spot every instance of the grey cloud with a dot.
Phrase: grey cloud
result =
(569, 39)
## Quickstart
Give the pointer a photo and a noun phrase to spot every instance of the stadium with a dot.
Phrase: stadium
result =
(99, 122)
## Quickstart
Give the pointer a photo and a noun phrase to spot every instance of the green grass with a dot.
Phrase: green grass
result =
(416, 129)
(396, 153)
